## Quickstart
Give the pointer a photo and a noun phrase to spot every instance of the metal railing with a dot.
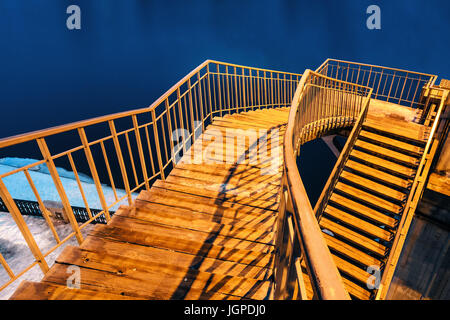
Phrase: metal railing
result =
(389, 84)
(320, 104)
(130, 150)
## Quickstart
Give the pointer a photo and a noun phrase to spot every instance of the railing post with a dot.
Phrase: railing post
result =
(59, 187)
(21, 224)
(200, 95)
(94, 173)
(209, 93)
(140, 151)
(123, 170)
(158, 151)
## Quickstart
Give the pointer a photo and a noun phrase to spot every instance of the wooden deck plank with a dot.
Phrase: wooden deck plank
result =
(170, 277)
(169, 242)
(145, 228)
(184, 200)
(170, 212)
(254, 198)
(118, 284)
(196, 223)
(29, 290)
(181, 259)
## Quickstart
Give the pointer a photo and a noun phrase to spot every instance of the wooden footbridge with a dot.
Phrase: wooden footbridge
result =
(221, 211)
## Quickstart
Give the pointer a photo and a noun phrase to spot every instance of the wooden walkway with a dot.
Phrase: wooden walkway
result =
(206, 232)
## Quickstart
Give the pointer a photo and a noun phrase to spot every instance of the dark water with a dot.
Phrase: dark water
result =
(129, 52)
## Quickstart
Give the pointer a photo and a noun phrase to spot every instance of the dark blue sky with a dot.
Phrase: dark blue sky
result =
(129, 52)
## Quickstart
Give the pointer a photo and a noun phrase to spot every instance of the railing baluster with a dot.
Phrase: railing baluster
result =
(158, 152)
(141, 151)
(7, 267)
(42, 206)
(209, 93)
(59, 187)
(94, 173)
(180, 115)
(21, 224)
(112, 128)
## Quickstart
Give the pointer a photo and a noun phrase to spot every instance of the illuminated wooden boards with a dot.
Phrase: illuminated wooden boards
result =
(206, 232)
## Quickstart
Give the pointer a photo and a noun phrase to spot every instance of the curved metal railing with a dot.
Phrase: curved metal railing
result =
(320, 104)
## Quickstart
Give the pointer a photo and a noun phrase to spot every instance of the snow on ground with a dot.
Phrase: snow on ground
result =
(19, 188)
(12, 244)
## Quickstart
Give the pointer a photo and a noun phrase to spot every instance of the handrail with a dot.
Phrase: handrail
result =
(299, 237)
(135, 147)
(394, 85)
(414, 196)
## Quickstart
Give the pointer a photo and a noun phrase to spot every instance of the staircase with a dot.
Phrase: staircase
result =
(205, 232)
(361, 217)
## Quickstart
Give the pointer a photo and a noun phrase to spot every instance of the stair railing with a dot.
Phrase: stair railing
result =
(128, 151)
(414, 196)
(389, 84)
(320, 104)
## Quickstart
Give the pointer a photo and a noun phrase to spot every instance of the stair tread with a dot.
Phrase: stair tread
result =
(29, 290)
(368, 198)
(351, 252)
(408, 147)
(163, 215)
(122, 221)
(266, 200)
(382, 163)
(358, 223)
(158, 277)
(378, 174)
(158, 288)
(203, 204)
(184, 260)
(350, 269)
(356, 290)
(385, 152)
(364, 210)
(404, 129)
(373, 186)
(178, 241)
(353, 236)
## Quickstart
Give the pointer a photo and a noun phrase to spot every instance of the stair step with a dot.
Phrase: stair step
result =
(384, 164)
(158, 277)
(358, 223)
(405, 130)
(356, 290)
(373, 186)
(353, 237)
(392, 143)
(363, 210)
(29, 290)
(387, 153)
(350, 269)
(368, 198)
(351, 252)
(378, 174)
